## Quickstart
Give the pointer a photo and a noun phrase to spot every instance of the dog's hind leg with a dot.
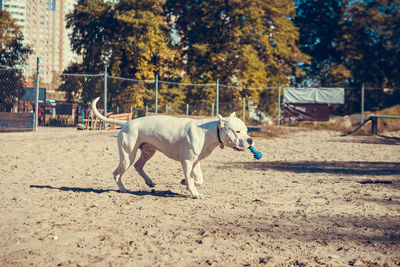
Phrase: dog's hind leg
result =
(147, 151)
(126, 158)
(120, 170)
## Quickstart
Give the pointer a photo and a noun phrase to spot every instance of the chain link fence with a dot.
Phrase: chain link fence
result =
(16, 114)
(138, 97)
(11, 88)
(79, 90)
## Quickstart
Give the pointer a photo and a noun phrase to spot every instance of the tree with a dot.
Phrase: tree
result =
(131, 37)
(370, 43)
(246, 42)
(319, 27)
(84, 87)
(13, 54)
(351, 43)
(92, 26)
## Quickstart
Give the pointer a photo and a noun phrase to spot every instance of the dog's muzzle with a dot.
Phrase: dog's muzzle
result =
(242, 146)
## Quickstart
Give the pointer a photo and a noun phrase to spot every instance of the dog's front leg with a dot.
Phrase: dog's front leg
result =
(198, 175)
(187, 166)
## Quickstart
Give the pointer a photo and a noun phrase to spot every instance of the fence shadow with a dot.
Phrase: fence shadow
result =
(332, 167)
(373, 140)
(162, 193)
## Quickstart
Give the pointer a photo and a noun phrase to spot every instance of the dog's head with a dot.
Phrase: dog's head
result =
(233, 132)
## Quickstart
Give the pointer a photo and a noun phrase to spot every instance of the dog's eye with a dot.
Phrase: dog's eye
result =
(237, 131)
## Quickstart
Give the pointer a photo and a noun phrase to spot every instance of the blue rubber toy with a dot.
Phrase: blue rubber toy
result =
(257, 154)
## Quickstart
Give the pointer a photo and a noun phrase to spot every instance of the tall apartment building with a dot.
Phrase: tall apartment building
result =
(44, 28)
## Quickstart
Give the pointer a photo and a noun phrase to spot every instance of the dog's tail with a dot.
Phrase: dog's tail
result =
(98, 115)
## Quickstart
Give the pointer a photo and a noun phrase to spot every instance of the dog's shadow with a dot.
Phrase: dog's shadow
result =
(162, 193)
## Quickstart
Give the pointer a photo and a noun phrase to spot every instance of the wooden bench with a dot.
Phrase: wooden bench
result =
(93, 124)
(374, 123)
(121, 117)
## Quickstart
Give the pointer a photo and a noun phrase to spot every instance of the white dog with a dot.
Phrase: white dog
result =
(182, 139)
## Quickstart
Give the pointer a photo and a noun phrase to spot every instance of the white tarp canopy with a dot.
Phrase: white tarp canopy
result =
(314, 95)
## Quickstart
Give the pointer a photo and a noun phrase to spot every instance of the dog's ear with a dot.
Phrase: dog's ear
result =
(221, 121)
(233, 114)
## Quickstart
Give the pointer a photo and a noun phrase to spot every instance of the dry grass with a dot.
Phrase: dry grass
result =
(272, 131)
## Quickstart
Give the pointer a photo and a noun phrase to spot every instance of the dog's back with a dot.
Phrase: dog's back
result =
(168, 134)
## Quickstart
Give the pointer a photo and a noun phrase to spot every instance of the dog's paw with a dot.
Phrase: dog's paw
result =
(124, 191)
(151, 184)
(198, 196)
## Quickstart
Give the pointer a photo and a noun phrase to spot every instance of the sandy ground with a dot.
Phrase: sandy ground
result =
(301, 205)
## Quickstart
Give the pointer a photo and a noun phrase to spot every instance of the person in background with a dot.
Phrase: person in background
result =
(40, 114)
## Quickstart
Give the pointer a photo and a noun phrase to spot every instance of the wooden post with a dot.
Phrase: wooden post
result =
(374, 125)
(362, 102)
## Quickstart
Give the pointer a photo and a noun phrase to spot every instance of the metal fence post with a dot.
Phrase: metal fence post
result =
(105, 92)
(187, 109)
(244, 109)
(83, 115)
(212, 109)
(362, 102)
(35, 116)
(156, 93)
(217, 104)
(279, 104)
